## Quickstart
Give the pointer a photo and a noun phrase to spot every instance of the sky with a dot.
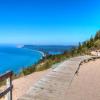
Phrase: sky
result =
(48, 22)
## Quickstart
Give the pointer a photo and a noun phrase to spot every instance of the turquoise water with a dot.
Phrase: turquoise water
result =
(15, 59)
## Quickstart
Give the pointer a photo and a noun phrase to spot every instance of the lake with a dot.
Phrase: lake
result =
(15, 58)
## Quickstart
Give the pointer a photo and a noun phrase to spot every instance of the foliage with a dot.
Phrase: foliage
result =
(83, 48)
(87, 46)
(97, 36)
(27, 70)
(97, 44)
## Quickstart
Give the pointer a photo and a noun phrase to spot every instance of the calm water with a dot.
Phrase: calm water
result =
(15, 59)
(12, 58)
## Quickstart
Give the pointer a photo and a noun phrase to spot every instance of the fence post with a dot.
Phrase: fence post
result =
(8, 84)
(7, 93)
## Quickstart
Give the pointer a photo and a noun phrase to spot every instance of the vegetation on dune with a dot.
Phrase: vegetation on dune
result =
(83, 48)
(92, 44)
(45, 63)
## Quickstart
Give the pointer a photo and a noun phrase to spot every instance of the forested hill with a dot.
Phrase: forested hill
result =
(92, 44)
(49, 49)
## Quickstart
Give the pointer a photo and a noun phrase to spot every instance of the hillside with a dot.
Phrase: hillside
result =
(87, 46)
(84, 48)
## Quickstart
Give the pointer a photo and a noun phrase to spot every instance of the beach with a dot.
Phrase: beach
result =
(86, 85)
(42, 53)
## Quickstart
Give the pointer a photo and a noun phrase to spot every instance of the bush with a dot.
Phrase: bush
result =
(28, 70)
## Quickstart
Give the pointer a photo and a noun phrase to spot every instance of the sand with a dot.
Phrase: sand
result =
(86, 86)
(22, 85)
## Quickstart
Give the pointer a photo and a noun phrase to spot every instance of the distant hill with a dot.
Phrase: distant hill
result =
(50, 49)
(83, 48)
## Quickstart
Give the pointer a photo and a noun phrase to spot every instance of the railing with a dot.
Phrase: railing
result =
(8, 91)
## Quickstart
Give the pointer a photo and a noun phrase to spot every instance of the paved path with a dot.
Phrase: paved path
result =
(54, 84)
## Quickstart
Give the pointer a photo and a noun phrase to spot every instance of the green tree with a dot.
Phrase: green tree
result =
(97, 36)
(97, 44)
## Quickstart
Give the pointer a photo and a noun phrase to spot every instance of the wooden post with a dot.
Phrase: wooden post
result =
(8, 91)
(9, 84)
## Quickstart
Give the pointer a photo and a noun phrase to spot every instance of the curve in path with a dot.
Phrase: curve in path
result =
(54, 84)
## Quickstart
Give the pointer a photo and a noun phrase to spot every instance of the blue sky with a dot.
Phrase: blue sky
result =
(59, 22)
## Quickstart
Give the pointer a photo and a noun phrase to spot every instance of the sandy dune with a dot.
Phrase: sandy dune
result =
(22, 85)
(86, 86)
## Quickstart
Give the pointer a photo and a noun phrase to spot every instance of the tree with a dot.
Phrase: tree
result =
(97, 44)
(97, 36)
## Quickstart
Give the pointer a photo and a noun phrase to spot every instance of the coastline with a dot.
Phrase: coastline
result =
(41, 52)
(31, 69)
(42, 55)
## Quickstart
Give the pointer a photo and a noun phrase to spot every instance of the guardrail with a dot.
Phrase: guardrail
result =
(8, 91)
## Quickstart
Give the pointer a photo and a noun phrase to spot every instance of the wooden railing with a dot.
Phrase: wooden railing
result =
(8, 91)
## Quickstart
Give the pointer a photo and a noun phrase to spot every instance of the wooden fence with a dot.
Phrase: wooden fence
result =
(8, 91)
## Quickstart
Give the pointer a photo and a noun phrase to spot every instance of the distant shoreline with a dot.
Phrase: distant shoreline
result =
(41, 52)
(27, 59)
